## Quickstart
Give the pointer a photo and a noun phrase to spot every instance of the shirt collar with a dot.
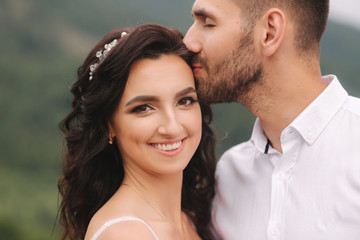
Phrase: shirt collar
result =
(258, 137)
(312, 121)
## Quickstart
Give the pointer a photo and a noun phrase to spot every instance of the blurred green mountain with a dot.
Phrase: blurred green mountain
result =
(42, 42)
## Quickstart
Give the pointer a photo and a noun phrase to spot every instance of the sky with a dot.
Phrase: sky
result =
(346, 11)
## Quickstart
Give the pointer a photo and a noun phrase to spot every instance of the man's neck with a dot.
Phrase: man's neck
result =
(278, 102)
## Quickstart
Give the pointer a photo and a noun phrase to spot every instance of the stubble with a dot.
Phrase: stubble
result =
(232, 78)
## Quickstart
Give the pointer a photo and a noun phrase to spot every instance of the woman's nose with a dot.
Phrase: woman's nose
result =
(170, 126)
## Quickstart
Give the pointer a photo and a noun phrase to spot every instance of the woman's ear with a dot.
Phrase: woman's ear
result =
(110, 128)
(111, 133)
(272, 29)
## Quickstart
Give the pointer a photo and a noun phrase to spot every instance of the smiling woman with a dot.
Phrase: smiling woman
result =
(158, 120)
(139, 160)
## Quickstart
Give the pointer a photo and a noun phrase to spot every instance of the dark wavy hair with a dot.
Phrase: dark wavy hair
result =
(92, 168)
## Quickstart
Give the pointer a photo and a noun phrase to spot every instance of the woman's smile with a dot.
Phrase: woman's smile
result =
(169, 148)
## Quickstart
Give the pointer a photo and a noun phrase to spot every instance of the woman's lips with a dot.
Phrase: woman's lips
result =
(169, 148)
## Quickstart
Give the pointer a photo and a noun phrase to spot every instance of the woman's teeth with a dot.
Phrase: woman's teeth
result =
(167, 147)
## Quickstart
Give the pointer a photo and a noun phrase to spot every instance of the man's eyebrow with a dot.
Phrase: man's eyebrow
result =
(142, 98)
(202, 13)
(185, 91)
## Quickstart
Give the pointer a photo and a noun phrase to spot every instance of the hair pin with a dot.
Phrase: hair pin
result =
(101, 54)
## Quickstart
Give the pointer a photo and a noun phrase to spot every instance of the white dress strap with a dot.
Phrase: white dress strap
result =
(122, 219)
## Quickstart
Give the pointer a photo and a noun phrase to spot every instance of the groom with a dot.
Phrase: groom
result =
(298, 177)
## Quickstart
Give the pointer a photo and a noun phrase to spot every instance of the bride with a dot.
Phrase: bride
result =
(139, 161)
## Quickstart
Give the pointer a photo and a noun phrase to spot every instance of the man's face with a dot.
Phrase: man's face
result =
(226, 65)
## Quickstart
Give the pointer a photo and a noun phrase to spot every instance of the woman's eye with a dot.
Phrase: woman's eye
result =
(142, 109)
(187, 101)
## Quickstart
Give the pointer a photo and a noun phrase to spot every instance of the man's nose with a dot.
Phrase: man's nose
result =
(192, 41)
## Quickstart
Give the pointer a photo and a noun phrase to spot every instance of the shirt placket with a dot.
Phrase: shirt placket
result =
(280, 183)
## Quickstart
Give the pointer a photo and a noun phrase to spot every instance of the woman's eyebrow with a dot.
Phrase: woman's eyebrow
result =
(142, 98)
(185, 91)
(149, 98)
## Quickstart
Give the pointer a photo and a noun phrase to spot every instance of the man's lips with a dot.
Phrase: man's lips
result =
(196, 67)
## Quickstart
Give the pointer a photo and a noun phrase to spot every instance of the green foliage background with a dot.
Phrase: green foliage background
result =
(42, 42)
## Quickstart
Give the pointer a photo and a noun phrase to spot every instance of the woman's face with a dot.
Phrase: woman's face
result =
(157, 123)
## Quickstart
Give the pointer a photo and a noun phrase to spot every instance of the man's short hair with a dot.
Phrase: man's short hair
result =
(309, 18)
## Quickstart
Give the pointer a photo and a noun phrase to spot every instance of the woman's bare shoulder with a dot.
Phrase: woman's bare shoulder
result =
(127, 228)
(120, 218)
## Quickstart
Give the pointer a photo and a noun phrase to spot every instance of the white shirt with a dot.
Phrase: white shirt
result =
(310, 192)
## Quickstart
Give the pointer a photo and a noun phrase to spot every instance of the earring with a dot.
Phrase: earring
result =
(110, 139)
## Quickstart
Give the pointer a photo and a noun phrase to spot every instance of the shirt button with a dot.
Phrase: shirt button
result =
(309, 135)
(280, 175)
(275, 231)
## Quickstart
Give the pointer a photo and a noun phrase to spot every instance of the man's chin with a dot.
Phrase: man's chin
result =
(210, 96)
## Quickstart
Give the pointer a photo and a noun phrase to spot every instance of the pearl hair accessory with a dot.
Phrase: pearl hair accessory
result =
(102, 54)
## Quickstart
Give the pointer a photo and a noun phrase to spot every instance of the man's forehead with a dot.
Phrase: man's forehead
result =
(201, 6)
(210, 8)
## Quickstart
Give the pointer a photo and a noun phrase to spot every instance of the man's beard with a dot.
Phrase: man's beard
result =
(233, 77)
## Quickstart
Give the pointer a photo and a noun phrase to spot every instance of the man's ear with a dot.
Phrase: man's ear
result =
(272, 29)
